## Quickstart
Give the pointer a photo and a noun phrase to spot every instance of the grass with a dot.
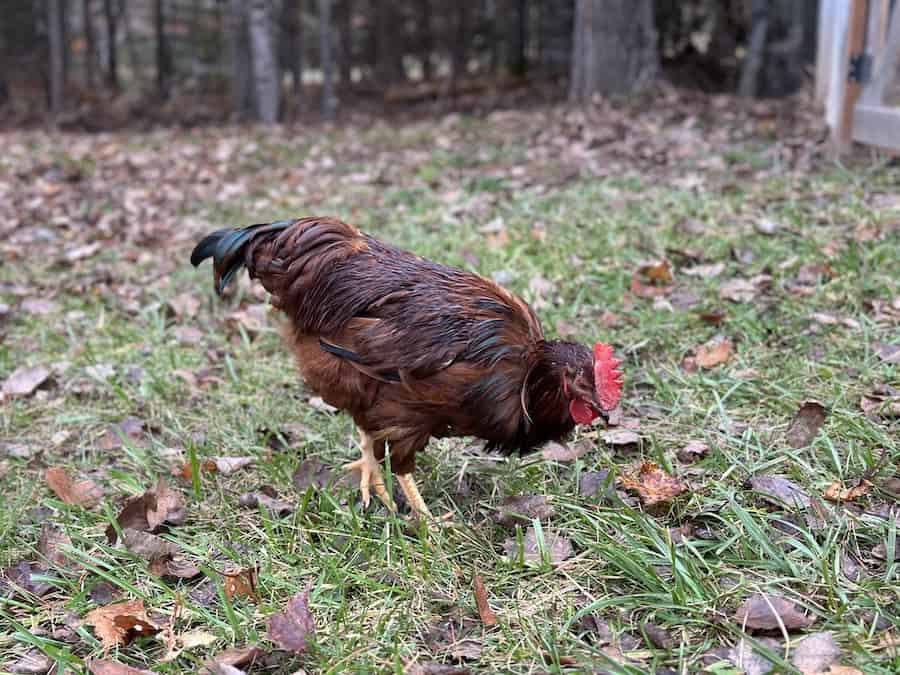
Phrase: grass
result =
(381, 593)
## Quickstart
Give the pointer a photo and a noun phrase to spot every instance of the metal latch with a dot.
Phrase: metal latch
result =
(860, 68)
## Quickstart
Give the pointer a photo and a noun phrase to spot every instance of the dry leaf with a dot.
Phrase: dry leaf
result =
(83, 493)
(318, 403)
(149, 511)
(252, 500)
(313, 471)
(241, 583)
(106, 667)
(806, 424)
(565, 452)
(229, 465)
(591, 483)
(738, 290)
(184, 305)
(815, 653)
(762, 612)
(715, 352)
(121, 623)
(24, 381)
(781, 491)
(488, 618)
(705, 271)
(836, 492)
(523, 509)
(558, 548)
(653, 485)
(236, 656)
(692, 452)
(887, 353)
(51, 541)
(33, 662)
(658, 271)
(620, 437)
(292, 628)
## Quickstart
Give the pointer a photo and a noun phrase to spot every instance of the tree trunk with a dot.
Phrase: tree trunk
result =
(326, 59)
(427, 38)
(266, 75)
(389, 55)
(458, 50)
(112, 65)
(756, 50)
(163, 55)
(291, 46)
(239, 55)
(90, 46)
(615, 48)
(518, 62)
(345, 31)
(57, 67)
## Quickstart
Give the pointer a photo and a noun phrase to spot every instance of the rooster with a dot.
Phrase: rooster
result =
(413, 349)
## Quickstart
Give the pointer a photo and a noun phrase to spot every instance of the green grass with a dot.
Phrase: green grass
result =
(376, 587)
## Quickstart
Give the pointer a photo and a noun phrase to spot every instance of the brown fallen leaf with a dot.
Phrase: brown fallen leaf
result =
(565, 452)
(714, 353)
(806, 424)
(815, 654)
(52, 539)
(312, 472)
(229, 465)
(121, 623)
(318, 403)
(882, 401)
(887, 352)
(708, 271)
(836, 492)
(83, 493)
(659, 271)
(268, 498)
(523, 509)
(230, 658)
(763, 612)
(620, 437)
(738, 290)
(294, 627)
(488, 618)
(106, 667)
(184, 305)
(692, 452)
(24, 381)
(558, 548)
(653, 485)
(434, 668)
(131, 429)
(781, 491)
(241, 583)
(151, 510)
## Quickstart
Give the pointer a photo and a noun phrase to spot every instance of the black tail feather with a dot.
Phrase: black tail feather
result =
(227, 248)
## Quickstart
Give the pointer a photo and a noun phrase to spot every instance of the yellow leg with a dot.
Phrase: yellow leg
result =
(370, 472)
(413, 496)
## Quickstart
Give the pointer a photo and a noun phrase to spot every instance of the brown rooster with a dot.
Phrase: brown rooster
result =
(413, 349)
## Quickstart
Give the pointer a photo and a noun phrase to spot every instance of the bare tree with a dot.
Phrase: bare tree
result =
(427, 37)
(388, 43)
(90, 42)
(291, 42)
(112, 65)
(345, 31)
(615, 47)
(163, 54)
(266, 74)
(242, 102)
(56, 38)
(326, 58)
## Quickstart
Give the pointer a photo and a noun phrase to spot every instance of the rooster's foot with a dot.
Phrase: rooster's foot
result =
(370, 477)
(418, 506)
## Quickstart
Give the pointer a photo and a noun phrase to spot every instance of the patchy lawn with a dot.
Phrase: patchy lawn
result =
(743, 279)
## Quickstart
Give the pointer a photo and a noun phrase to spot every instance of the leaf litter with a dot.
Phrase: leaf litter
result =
(293, 628)
(652, 484)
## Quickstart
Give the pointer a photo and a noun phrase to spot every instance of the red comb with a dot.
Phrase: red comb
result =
(607, 376)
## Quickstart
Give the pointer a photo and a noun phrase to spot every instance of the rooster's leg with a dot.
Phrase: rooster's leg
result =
(370, 472)
(414, 498)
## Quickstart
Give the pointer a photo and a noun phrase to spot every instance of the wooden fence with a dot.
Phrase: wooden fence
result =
(858, 71)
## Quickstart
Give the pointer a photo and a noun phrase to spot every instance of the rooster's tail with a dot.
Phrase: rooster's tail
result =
(228, 247)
